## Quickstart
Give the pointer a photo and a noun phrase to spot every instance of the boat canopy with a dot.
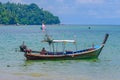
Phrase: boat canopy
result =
(63, 41)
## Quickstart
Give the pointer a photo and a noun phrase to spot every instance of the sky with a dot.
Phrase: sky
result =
(80, 11)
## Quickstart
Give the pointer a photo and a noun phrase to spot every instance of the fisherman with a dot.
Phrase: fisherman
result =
(28, 51)
(43, 51)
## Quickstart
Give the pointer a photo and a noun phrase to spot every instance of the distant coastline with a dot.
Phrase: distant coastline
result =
(23, 14)
(89, 25)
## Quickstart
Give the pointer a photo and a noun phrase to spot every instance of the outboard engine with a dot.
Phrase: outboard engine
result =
(23, 47)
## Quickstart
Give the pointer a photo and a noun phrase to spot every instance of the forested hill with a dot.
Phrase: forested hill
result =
(12, 13)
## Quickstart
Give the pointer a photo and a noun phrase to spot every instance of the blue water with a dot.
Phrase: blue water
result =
(13, 64)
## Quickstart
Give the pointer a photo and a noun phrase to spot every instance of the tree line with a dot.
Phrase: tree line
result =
(12, 13)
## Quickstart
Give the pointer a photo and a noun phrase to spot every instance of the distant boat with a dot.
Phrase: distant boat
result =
(17, 24)
(89, 27)
(92, 52)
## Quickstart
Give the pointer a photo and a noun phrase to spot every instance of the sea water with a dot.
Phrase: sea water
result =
(13, 64)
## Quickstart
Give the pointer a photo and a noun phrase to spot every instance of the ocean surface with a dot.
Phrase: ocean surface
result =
(14, 66)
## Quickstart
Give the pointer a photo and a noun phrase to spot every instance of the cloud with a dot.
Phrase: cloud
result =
(90, 1)
(60, 1)
(16, 1)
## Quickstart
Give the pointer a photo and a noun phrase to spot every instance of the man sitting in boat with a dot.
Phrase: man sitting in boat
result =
(43, 51)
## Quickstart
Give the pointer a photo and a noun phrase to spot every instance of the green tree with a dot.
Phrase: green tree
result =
(12, 13)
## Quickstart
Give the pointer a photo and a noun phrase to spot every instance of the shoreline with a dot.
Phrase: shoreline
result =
(62, 24)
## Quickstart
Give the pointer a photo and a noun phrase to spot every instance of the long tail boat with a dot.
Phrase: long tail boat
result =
(92, 52)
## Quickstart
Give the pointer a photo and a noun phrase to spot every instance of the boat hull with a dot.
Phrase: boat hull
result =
(74, 56)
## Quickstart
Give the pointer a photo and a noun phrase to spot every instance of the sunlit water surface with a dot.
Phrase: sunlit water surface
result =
(13, 65)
